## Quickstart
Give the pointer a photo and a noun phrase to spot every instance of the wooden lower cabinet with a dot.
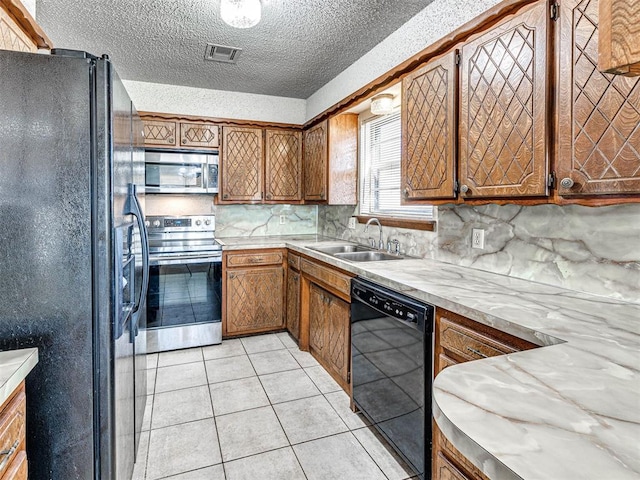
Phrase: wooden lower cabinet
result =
(329, 337)
(13, 459)
(459, 339)
(253, 292)
(325, 317)
(293, 303)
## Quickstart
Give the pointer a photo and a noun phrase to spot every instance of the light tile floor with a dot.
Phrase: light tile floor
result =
(254, 408)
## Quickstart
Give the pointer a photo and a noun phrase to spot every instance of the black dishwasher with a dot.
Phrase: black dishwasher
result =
(392, 357)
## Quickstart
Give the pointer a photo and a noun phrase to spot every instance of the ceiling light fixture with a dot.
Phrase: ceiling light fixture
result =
(382, 104)
(241, 13)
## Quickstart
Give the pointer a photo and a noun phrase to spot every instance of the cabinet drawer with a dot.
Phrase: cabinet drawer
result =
(468, 344)
(328, 276)
(444, 362)
(254, 259)
(293, 261)
(18, 469)
(12, 430)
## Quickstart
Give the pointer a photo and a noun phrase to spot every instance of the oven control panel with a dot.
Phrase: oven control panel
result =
(187, 223)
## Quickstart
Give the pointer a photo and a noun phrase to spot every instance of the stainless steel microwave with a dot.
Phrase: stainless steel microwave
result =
(178, 172)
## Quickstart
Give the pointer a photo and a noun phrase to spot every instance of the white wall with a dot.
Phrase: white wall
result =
(30, 5)
(432, 23)
(156, 97)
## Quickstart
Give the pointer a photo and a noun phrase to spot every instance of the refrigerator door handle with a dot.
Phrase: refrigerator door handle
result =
(133, 208)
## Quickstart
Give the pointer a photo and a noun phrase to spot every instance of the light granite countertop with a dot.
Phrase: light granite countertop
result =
(569, 410)
(15, 365)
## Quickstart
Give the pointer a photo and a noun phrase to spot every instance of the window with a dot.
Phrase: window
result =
(380, 170)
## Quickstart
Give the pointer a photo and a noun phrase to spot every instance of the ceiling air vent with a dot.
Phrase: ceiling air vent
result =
(222, 53)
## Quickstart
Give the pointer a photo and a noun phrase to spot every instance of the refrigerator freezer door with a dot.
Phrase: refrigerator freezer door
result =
(46, 247)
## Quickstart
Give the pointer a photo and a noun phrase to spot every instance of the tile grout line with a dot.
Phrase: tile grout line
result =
(213, 413)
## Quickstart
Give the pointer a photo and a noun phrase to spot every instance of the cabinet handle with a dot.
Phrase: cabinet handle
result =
(566, 182)
(185, 141)
(464, 188)
(171, 140)
(477, 352)
(322, 195)
(269, 196)
(405, 192)
(7, 454)
(232, 275)
(225, 196)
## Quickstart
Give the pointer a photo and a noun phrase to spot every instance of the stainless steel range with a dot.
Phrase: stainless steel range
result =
(184, 306)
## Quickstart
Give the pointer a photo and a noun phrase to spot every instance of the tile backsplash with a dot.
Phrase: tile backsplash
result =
(594, 250)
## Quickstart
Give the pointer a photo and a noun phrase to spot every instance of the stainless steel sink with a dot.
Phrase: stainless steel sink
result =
(342, 249)
(370, 256)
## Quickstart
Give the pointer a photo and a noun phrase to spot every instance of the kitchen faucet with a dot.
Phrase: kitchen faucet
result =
(366, 227)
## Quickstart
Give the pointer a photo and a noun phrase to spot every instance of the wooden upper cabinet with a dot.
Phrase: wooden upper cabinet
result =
(429, 132)
(343, 159)
(283, 165)
(331, 161)
(503, 110)
(18, 29)
(241, 178)
(160, 133)
(199, 135)
(598, 114)
(619, 37)
(315, 162)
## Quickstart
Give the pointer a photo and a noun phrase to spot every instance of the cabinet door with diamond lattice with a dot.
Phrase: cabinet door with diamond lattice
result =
(254, 300)
(283, 165)
(429, 131)
(159, 133)
(503, 108)
(337, 314)
(316, 162)
(317, 320)
(598, 114)
(199, 135)
(241, 165)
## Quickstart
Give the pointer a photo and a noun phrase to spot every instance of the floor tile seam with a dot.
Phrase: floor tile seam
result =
(244, 457)
(180, 364)
(181, 388)
(245, 410)
(277, 417)
(338, 413)
(227, 356)
(213, 411)
(371, 456)
(187, 471)
(231, 380)
(179, 424)
(293, 399)
(279, 371)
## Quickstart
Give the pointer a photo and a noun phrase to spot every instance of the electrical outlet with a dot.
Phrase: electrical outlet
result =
(352, 223)
(477, 238)
(283, 219)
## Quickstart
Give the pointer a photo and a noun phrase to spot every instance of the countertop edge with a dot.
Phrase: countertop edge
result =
(21, 369)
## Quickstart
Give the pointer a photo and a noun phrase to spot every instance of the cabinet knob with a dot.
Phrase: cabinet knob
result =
(464, 188)
(269, 196)
(185, 141)
(225, 196)
(171, 140)
(405, 192)
(322, 195)
(566, 182)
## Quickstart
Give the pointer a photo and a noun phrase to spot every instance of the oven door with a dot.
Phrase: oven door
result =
(184, 305)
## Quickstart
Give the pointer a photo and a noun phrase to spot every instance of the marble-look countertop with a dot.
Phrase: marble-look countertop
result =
(15, 365)
(569, 410)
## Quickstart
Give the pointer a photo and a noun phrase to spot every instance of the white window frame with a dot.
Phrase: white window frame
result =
(369, 203)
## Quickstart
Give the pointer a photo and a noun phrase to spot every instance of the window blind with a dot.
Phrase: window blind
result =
(380, 170)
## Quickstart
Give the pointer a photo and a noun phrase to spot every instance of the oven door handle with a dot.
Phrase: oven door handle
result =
(186, 260)
(133, 208)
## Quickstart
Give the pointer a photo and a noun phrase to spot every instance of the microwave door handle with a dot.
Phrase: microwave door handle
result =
(205, 177)
(133, 208)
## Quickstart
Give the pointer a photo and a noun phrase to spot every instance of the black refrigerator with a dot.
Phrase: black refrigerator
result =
(74, 259)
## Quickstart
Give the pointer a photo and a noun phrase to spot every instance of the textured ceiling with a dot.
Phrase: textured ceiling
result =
(297, 47)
